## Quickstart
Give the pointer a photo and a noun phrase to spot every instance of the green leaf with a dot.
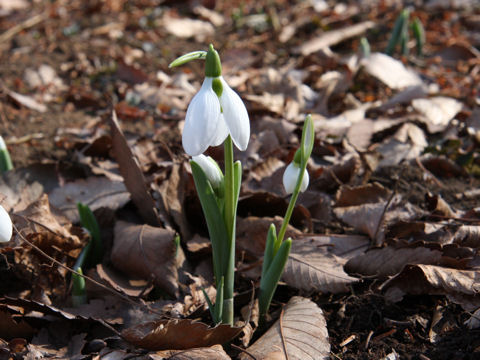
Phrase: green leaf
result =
(89, 222)
(308, 139)
(398, 28)
(5, 160)
(269, 282)
(79, 294)
(269, 253)
(194, 55)
(213, 215)
(365, 47)
(218, 313)
(211, 307)
(419, 33)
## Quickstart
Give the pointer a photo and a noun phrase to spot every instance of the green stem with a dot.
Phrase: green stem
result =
(291, 206)
(227, 315)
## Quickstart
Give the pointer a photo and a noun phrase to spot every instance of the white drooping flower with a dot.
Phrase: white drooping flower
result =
(215, 112)
(5, 225)
(210, 168)
(290, 177)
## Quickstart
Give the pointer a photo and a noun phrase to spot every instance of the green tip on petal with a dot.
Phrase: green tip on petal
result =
(213, 66)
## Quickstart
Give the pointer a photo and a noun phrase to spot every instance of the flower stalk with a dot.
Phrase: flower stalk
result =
(276, 250)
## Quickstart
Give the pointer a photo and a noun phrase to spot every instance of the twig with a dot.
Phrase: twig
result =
(282, 336)
(243, 350)
(367, 342)
(23, 25)
(123, 297)
(382, 217)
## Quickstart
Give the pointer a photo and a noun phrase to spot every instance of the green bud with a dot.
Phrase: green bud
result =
(213, 66)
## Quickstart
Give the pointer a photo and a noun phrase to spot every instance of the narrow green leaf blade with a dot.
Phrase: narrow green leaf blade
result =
(269, 282)
(213, 215)
(90, 223)
(269, 254)
(194, 55)
(397, 31)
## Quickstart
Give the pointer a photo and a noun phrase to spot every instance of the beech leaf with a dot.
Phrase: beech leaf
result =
(147, 251)
(178, 334)
(304, 331)
(317, 263)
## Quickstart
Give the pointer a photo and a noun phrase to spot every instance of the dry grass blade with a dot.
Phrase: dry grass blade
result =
(303, 329)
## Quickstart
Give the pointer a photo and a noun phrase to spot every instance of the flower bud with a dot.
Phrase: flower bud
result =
(211, 170)
(290, 177)
(5, 225)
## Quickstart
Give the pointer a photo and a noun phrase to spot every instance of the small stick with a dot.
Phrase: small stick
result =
(348, 340)
(384, 335)
(243, 350)
(7, 35)
(367, 342)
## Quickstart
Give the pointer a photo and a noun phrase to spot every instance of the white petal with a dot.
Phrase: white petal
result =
(290, 177)
(305, 181)
(210, 168)
(5, 225)
(236, 116)
(221, 133)
(201, 120)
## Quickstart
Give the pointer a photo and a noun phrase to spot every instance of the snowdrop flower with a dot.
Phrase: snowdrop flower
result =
(215, 112)
(290, 177)
(5, 225)
(211, 169)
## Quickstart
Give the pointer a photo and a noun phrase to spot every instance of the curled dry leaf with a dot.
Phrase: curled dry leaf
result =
(178, 334)
(147, 251)
(96, 192)
(390, 71)
(333, 37)
(301, 333)
(214, 352)
(437, 111)
(186, 28)
(390, 261)
(460, 286)
(132, 175)
(316, 263)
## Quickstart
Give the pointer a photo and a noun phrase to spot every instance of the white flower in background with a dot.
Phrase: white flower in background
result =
(210, 168)
(215, 112)
(5, 225)
(290, 177)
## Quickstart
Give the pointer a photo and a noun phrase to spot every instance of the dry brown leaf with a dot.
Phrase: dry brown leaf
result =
(146, 251)
(27, 101)
(132, 175)
(333, 37)
(186, 28)
(468, 235)
(460, 286)
(252, 233)
(12, 326)
(178, 334)
(390, 71)
(304, 332)
(408, 143)
(390, 261)
(437, 111)
(359, 195)
(316, 263)
(214, 352)
(96, 192)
